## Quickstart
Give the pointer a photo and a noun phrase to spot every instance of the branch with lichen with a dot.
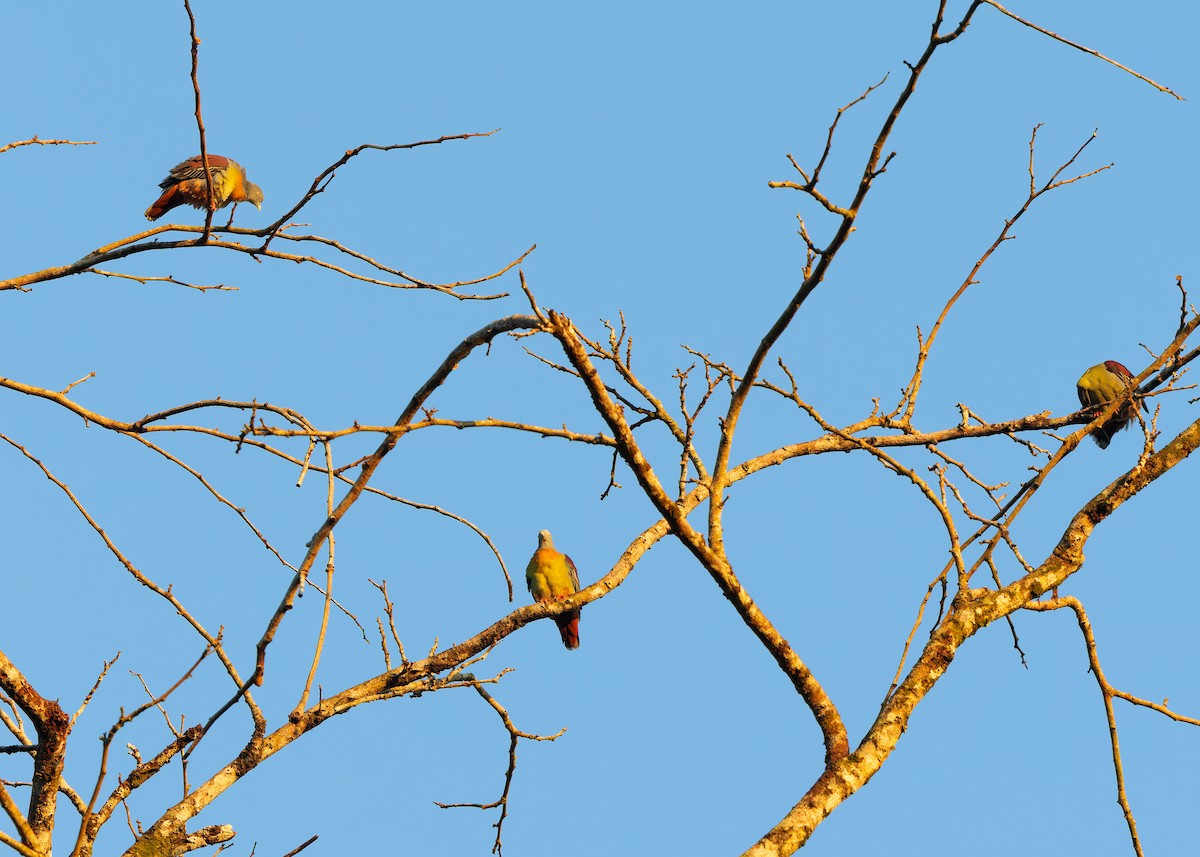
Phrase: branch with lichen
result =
(971, 611)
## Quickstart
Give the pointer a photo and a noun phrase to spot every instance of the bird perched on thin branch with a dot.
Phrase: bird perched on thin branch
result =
(1097, 387)
(185, 184)
(551, 576)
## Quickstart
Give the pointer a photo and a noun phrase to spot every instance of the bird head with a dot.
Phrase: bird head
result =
(544, 540)
(254, 195)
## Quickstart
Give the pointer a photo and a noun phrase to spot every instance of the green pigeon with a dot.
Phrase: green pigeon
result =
(551, 576)
(1100, 385)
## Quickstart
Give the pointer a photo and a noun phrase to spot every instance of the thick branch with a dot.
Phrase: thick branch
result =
(971, 611)
(832, 728)
(52, 725)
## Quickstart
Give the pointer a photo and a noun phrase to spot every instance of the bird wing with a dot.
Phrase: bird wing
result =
(573, 572)
(193, 168)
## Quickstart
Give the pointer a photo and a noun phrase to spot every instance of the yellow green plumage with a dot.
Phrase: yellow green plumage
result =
(551, 576)
(1100, 385)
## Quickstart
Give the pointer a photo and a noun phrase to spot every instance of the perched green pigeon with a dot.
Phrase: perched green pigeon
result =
(552, 576)
(1100, 385)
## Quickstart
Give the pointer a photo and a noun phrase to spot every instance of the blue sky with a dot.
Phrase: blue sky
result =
(634, 149)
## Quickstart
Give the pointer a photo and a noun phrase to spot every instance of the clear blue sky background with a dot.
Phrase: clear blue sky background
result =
(636, 145)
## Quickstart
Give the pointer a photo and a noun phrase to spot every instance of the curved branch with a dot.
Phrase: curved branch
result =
(971, 611)
(411, 676)
(871, 170)
(483, 336)
(166, 594)
(824, 711)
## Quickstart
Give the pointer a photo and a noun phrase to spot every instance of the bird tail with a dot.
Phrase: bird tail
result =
(568, 628)
(1106, 432)
(169, 199)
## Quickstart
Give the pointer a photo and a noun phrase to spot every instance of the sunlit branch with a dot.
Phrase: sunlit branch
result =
(802, 678)
(91, 822)
(141, 578)
(912, 390)
(326, 176)
(147, 279)
(52, 725)
(210, 203)
(107, 665)
(1083, 48)
(35, 141)
(330, 564)
(970, 611)
(1106, 695)
(875, 165)
(515, 735)
(483, 336)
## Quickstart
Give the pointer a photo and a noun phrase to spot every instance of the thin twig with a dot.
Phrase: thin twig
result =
(211, 206)
(34, 141)
(1080, 47)
(514, 735)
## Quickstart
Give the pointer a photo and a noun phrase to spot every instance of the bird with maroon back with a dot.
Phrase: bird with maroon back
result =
(1099, 386)
(185, 185)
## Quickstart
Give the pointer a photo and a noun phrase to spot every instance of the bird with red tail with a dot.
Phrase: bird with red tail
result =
(551, 576)
(185, 185)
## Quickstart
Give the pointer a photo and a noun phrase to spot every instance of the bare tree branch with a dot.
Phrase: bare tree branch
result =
(1083, 48)
(34, 141)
